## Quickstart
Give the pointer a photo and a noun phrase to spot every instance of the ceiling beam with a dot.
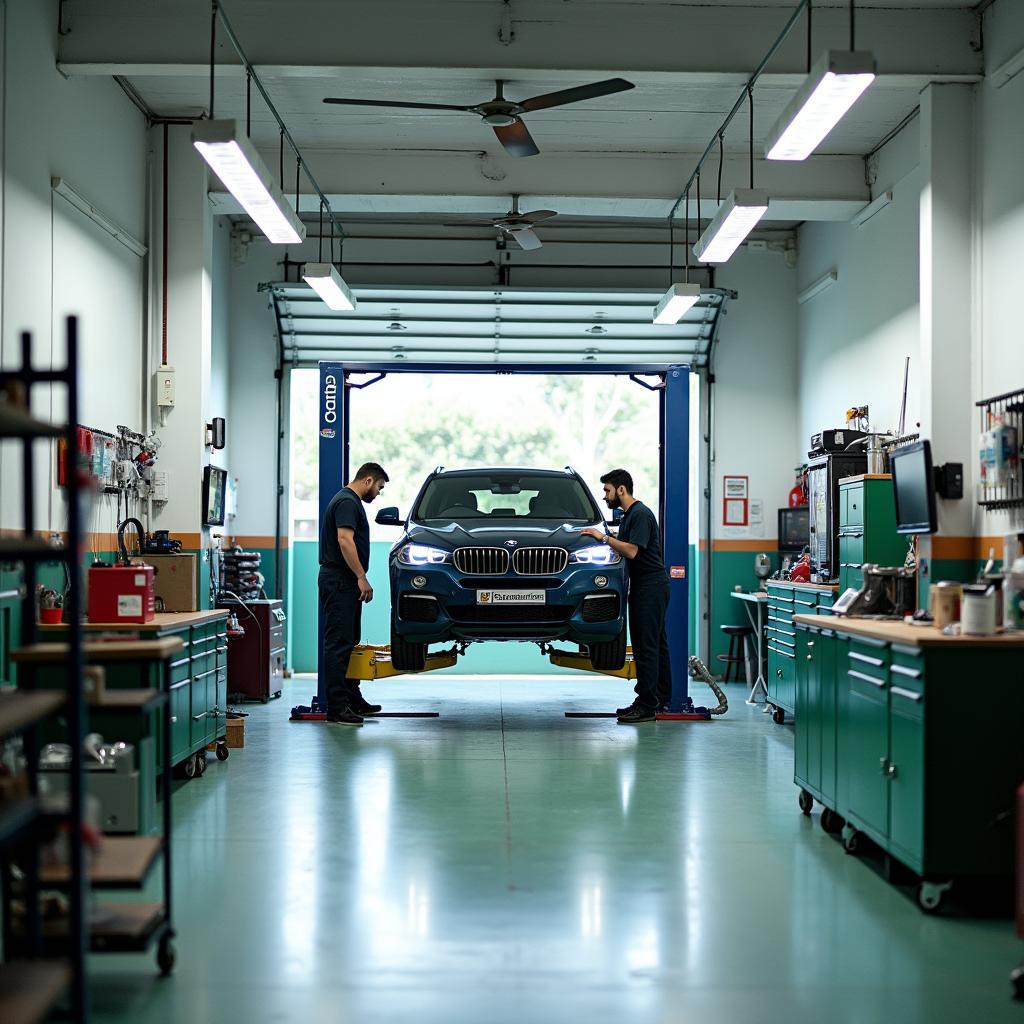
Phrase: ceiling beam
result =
(594, 185)
(558, 38)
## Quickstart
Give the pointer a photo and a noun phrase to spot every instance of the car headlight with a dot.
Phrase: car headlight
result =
(596, 554)
(421, 554)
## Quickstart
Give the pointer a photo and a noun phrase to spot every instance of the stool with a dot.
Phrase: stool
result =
(737, 649)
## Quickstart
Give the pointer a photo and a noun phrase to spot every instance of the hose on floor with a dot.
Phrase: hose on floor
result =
(698, 670)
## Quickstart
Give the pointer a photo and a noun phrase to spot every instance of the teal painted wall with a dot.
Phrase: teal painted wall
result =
(730, 569)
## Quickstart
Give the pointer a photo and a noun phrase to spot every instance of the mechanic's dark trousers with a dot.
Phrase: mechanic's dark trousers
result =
(342, 617)
(648, 602)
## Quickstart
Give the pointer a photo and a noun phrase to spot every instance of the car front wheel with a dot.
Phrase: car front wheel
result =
(406, 656)
(609, 656)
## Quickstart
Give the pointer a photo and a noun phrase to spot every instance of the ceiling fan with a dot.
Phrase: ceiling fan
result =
(518, 226)
(503, 115)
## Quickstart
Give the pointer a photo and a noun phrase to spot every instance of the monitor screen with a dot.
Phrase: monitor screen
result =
(794, 529)
(214, 488)
(913, 486)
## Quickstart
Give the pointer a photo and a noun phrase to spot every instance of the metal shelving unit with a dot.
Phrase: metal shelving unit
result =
(1008, 410)
(32, 985)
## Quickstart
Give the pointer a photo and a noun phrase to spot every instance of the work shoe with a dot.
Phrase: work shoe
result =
(637, 714)
(344, 717)
(619, 712)
(361, 706)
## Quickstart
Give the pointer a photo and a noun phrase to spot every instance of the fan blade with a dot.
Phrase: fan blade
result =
(469, 224)
(516, 139)
(536, 216)
(389, 103)
(526, 239)
(581, 92)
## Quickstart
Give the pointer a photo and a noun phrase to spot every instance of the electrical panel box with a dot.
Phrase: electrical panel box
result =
(158, 487)
(165, 387)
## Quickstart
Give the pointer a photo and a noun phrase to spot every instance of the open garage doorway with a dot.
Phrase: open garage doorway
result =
(413, 422)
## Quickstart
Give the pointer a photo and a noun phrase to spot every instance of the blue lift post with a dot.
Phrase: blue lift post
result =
(674, 469)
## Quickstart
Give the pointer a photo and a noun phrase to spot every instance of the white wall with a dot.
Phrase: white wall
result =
(855, 336)
(56, 261)
(220, 368)
(999, 363)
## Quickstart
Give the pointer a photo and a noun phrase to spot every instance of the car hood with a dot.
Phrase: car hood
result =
(497, 533)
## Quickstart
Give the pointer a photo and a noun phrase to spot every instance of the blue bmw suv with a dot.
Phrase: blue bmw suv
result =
(496, 554)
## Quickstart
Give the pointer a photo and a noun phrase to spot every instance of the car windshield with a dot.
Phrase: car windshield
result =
(506, 495)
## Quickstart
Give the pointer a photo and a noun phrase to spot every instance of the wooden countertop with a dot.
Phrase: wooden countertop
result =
(864, 476)
(915, 636)
(102, 651)
(162, 620)
(831, 588)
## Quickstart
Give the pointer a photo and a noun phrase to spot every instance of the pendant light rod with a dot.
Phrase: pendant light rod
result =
(220, 14)
(751, 82)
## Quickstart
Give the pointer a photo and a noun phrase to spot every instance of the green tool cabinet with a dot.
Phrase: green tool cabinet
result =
(784, 601)
(867, 528)
(198, 685)
(912, 740)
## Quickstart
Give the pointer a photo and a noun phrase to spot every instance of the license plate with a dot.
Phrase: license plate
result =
(510, 597)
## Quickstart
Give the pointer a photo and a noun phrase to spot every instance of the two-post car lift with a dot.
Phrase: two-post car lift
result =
(672, 383)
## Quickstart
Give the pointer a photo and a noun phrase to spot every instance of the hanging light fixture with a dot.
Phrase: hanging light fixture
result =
(324, 278)
(680, 296)
(738, 215)
(831, 88)
(233, 158)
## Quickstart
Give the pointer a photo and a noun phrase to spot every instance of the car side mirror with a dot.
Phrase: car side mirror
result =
(389, 517)
(617, 514)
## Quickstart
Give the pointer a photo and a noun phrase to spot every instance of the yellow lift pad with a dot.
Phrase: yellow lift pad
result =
(571, 659)
(371, 661)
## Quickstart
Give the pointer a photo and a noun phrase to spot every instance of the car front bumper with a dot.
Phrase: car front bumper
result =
(572, 601)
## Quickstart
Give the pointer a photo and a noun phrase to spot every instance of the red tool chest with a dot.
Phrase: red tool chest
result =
(121, 593)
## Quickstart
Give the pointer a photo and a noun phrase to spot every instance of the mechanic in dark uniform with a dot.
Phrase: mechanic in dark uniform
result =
(344, 562)
(639, 541)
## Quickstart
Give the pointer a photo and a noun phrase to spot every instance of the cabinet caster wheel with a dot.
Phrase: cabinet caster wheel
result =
(188, 767)
(264, 700)
(930, 896)
(853, 841)
(166, 956)
(222, 752)
(831, 822)
(201, 764)
(1017, 981)
(778, 716)
(806, 801)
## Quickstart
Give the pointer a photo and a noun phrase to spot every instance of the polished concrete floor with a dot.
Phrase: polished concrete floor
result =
(503, 863)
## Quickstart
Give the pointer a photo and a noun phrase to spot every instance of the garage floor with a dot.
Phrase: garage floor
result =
(504, 863)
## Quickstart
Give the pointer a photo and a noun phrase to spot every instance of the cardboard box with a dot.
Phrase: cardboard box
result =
(236, 732)
(176, 581)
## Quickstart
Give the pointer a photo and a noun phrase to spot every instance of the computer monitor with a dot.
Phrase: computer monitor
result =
(794, 529)
(215, 483)
(913, 484)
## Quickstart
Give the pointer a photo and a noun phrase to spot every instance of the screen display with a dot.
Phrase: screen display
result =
(794, 528)
(914, 488)
(215, 486)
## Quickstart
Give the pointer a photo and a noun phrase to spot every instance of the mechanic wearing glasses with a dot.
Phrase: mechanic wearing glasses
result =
(344, 561)
(639, 541)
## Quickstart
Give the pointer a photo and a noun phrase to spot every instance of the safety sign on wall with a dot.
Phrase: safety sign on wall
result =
(735, 500)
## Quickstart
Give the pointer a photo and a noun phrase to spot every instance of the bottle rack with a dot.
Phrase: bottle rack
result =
(1008, 408)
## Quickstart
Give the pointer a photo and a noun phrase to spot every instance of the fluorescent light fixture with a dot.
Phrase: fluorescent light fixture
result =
(818, 287)
(880, 202)
(735, 219)
(80, 203)
(675, 302)
(828, 92)
(233, 158)
(325, 280)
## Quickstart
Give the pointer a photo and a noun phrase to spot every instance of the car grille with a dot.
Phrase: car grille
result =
(418, 608)
(510, 614)
(540, 561)
(510, 583)
(600, 607)
(482, 561)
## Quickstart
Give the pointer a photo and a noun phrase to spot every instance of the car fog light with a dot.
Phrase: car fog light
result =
(419, 582)
(600, 581)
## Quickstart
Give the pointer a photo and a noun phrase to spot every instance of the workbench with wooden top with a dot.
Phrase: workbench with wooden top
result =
(198, 676)
(914, 739)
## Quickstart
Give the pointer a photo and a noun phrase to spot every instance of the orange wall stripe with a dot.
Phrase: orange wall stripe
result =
(757, 544)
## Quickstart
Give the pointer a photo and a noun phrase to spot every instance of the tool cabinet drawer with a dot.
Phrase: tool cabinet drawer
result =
(851, 505)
